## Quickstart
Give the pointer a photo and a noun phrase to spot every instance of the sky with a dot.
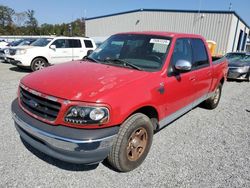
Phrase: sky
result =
(65, 11)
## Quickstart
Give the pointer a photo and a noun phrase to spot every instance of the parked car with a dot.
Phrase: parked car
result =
(3, 43)
(21, 42)
(109, 104)
(15, 44)
(234, 56)
(48, 51)
(239, 66)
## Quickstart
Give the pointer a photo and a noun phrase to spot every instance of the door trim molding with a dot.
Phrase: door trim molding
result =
(165, 121)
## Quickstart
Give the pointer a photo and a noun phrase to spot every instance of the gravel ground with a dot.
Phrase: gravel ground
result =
(204, 148)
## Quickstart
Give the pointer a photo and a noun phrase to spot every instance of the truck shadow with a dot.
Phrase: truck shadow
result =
(18, 69)
(55, 162)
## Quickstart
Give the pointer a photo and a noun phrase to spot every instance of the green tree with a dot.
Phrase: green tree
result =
(6, 14)
(31, 22)
(25, 23)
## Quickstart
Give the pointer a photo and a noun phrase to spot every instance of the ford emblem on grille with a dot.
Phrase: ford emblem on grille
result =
(33, 104)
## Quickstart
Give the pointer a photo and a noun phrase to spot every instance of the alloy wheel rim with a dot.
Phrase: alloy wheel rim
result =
(39, 65)
(137, 144)
(216, 95)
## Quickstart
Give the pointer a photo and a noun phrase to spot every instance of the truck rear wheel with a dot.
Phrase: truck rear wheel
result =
(214, 100)
(38, 64)
(132, 144)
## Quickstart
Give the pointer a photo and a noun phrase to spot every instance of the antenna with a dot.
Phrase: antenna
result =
(230, 6)
(85, 14)
(199, 6)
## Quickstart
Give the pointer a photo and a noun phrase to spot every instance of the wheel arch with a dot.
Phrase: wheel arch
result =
(40, 57)
(149, 111)
(222, 80)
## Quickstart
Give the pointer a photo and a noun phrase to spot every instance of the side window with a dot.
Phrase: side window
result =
(74, 43)
(182, 51)
(88, 43)
(60, 43)
(200, 57)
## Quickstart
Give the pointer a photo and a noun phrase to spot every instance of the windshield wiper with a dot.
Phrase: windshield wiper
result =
(91, 59)
(123, 63)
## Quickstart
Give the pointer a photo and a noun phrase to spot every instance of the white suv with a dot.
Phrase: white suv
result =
(48, 51)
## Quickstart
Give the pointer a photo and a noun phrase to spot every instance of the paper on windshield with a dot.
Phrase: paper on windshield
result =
(160, 41)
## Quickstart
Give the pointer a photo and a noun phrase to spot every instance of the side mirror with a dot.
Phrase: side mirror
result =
(89, 52)
(183, 65)
(53, 47)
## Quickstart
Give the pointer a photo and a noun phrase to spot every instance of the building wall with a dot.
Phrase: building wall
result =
(213, 26)
(236, 27)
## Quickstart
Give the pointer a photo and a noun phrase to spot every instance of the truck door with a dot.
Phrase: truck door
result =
(180, 87)
(202, 69)
(62, 52)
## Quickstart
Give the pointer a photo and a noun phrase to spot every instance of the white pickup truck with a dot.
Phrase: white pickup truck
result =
(48, 51)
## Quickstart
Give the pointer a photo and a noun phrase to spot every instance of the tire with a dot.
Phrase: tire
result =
(132, 143)
(248, 77)
(38, 64)
(213, 101)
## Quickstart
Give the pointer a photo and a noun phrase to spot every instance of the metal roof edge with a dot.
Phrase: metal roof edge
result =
(172, 10)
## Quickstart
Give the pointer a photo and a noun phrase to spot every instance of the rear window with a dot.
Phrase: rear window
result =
(88, 43)
(200, 57)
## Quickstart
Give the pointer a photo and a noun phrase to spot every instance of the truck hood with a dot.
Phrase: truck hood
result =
(81, 80)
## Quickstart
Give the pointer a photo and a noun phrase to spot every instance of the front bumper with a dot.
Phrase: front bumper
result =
(67, 144)
(2, 57)
(232, 74)
(18, 60)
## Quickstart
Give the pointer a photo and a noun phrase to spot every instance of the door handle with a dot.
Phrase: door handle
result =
(193, 78)
(209, 73)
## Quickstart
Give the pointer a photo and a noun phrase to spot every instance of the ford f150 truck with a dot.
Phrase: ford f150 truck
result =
(108, 105)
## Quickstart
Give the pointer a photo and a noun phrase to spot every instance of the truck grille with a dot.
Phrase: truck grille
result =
(39, 106)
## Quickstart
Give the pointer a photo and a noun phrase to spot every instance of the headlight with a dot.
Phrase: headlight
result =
(243, 69)
(21, 51)
(87, 115)
(7, 51)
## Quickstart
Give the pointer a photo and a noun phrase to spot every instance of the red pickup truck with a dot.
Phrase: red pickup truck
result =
(108, 105)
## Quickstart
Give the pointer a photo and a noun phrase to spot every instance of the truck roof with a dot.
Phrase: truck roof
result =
(163, 33)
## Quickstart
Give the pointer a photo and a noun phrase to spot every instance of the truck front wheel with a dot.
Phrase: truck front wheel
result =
(132, 143)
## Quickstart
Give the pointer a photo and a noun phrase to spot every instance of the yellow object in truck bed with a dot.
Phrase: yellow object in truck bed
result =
(212, 46)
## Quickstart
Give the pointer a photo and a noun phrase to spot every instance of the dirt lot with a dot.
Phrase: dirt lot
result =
(201, 149)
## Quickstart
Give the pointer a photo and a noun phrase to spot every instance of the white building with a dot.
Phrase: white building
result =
(226, 28)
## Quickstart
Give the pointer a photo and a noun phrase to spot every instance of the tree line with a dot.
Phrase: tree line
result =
(25, 23)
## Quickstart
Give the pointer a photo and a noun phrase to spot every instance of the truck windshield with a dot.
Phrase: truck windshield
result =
(41, 42)
(138, 51)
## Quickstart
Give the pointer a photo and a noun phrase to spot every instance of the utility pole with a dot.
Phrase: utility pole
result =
(70, 30)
